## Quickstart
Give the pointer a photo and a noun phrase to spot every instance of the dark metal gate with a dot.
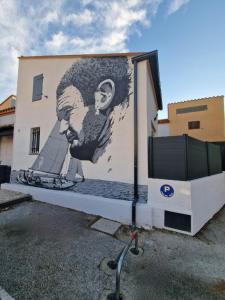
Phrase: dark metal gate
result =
(4, 174)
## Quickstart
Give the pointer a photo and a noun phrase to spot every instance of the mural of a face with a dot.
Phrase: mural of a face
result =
(86, 97)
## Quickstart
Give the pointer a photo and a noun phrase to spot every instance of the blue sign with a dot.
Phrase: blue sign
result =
(167, 190)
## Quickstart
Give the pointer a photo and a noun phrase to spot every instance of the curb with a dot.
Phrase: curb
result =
(15, 201)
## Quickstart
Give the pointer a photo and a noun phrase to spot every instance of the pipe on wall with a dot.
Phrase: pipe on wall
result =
(135, 200)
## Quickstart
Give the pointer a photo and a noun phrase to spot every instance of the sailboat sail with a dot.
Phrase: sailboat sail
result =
(74, 169)
(53, 153)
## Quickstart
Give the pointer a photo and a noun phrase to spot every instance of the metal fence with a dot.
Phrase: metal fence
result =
(4, 174)
(222, 149)
(182, 158)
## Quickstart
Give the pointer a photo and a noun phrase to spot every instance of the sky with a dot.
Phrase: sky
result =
(188, 34)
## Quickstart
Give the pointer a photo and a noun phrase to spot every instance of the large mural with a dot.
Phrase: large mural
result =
(86, 98)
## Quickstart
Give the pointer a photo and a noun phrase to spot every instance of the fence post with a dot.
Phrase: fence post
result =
(186, 157)
(207, 155)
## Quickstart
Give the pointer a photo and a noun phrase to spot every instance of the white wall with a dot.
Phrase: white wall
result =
(6, 144)
(200, 198)
(7, 120)
(147, 110)
(43, 114)
(207, 199)
(163, 130)
(142, 123)
(152, 107)
(35, 114)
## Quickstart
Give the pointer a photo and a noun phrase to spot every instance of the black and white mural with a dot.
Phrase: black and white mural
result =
(86, 98)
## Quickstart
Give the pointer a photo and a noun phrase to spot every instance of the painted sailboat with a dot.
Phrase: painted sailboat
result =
(46, 171)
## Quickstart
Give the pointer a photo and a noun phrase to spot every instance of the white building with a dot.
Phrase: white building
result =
(163, 127)
(81, 140)
(87, 117)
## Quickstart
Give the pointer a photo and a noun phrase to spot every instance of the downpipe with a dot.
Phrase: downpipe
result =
(118, 262)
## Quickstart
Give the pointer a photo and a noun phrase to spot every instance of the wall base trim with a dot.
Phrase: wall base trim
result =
(113, 209)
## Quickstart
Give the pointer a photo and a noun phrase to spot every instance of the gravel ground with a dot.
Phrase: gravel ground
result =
(49, 252)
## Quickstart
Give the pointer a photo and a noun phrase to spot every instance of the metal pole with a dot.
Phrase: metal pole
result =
(116, 295)
(119, 268)
(112, 264)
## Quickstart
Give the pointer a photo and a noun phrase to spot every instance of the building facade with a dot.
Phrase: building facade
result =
(199, 118)
(7, 120)
(75, 122)
(81, 140)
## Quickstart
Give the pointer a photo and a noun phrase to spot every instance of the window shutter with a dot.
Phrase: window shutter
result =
(37, 87)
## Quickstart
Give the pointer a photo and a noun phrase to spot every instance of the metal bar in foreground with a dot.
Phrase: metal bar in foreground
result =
(117, 295)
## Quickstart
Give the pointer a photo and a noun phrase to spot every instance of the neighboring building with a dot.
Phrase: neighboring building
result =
(75, 117)
(163, 127)
(200, 118)
(7, 120)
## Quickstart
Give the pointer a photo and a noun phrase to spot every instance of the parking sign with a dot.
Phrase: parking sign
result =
(167, 190)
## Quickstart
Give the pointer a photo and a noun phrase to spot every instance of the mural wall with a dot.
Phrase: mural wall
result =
(92, 101)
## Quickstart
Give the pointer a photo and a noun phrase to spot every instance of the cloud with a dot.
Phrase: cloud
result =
(108, 26)
(51, 17)
(22, 31)
(86, 17)
(57, 42)
(84, 26)
(175, 5)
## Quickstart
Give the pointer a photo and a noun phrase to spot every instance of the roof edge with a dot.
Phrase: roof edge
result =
(3, 101)
(197, 99)
(163, 121)
(83, 55)
(7, 111)
(152, 57)
(144, 56)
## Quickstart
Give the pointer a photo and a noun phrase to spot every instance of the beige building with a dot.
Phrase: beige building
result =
(7, 120)
(200, 118)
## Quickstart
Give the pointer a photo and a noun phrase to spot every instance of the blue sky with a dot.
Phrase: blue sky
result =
(189, 35)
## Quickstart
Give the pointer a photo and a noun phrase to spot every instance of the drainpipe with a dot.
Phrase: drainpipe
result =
(135, 199)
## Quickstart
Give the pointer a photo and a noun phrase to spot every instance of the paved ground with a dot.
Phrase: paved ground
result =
(11, 197)
(48, 252)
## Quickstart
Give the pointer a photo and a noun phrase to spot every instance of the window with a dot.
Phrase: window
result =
(191, 109)
(35, 140)
(37, 87)
(194, 125)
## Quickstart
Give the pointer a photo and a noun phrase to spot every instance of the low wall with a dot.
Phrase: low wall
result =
(185, 205)
(208, 197)
(181, 206)
(113, 209)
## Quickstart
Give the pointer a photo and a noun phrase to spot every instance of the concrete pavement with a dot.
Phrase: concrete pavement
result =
(49, 252)
(8, 198)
